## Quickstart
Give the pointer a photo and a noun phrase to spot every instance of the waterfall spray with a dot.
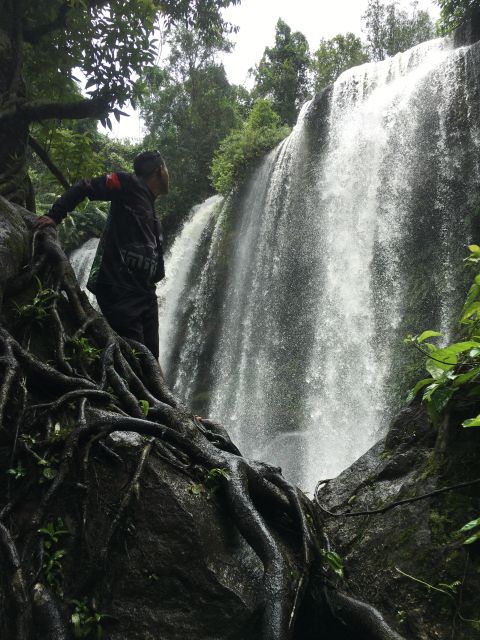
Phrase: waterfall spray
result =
(285, 306)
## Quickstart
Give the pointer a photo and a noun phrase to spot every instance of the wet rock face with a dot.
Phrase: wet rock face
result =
(178, 569)
(420, 539)
(469, 32)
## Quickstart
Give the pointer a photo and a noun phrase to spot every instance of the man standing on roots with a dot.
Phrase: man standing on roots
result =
(129, 258)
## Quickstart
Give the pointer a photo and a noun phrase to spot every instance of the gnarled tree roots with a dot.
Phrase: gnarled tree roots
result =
(67, 382)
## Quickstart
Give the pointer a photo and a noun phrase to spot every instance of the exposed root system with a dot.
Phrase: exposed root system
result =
(61, 364)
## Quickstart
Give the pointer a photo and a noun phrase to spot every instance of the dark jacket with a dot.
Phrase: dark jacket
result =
(129, 254)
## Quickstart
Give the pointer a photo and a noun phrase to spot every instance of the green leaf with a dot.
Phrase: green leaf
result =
(219, 472)
(471, 422)
(428, 334)
(334, 560)
(471, 525)
(462, 378)
(446, 358)
(49, 473)
(435, 369)
(470, 310)
(145, 406)
(196, 489)
(440, 398)
(413, 392)
(472, 539)
(472, 295)
(429, 390)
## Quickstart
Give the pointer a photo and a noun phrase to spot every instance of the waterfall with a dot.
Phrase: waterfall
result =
(364, 185)
(82, 260)
(347, 236)
(179, 279)
(178, 266)
(285, 306)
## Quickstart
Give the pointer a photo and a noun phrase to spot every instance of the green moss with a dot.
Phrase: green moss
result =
(430, 467)
(406, 535)
(441, 527)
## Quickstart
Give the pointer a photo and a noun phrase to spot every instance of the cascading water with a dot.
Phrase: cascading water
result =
(285, 318)
(179, 263)
(364, 188)
(82, 260)
(178, 267)
(348, 236)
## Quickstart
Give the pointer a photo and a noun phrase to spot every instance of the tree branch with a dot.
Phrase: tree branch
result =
(34, 35)
(48, 162)
(42, 110)
(397, 503)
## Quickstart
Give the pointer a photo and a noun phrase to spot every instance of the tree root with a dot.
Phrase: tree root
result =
(272, 515)
(18, 589)
(361, 616)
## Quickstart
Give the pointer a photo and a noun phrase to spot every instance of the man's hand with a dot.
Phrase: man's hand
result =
(44, 221)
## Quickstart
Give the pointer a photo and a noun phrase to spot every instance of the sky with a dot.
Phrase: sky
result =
(256, 19)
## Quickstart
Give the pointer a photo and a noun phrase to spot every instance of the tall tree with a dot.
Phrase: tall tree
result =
(43, 41)
(390, 29)
(190, 107)
(335, 56)
(454, 12)
(282, 74)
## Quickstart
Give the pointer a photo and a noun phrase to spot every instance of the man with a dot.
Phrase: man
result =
(129, 258)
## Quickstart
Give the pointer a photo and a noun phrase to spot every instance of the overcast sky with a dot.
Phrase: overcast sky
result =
(316, 19)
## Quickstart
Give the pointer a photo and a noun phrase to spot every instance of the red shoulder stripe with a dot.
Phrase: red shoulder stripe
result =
(113, 181)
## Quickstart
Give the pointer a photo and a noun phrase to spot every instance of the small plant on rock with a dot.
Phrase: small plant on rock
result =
(37, 310)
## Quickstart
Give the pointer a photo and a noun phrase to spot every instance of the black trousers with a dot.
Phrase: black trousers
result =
(132, 314)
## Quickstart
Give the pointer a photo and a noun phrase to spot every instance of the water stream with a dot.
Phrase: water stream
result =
(285, 306)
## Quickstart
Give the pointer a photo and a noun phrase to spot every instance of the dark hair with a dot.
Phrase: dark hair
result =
(147, 162)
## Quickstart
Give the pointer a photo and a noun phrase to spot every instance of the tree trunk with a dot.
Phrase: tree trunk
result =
(13, 138)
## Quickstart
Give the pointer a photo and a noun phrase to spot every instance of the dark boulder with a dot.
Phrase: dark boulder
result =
(410, 562)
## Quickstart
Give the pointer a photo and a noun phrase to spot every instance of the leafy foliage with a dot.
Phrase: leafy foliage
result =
(189, 108)
(17, 472)
(37, 310)
(109, 41)
(282, 74)
(94, 37)
(335, 56)
(390, 30)
(454, 12)
(53, 555)
(84, 350)
(86, 621)
(145, 406)
(473, 525)
(49, 467)
(455, 369)
(211, 482)
(260, 133)
(334, 561)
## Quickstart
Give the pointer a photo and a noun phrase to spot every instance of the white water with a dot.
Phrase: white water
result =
(284, 318)
(82, 260)
(342, 229)
(363, 191)
(178, 265)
